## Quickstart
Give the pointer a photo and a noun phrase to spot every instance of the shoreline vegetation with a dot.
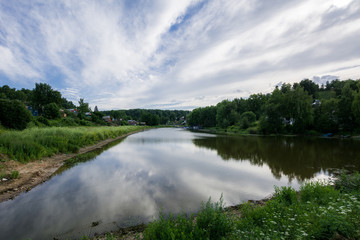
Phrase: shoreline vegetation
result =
(32, 156)
(319, 210)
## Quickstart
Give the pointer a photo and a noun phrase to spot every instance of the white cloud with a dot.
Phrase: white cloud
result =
(169, 53)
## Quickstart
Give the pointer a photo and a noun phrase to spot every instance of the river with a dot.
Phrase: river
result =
(172, 170)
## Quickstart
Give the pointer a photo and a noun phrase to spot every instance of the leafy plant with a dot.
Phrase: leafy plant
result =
(14, 174)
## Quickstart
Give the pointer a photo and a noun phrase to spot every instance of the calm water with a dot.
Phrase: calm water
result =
(169, 169)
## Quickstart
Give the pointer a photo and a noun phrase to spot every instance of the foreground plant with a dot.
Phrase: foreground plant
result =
(318, 211)
(210, 223)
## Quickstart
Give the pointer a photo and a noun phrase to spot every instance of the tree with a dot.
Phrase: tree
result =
(298, 109)
(13, 114)
(51, 111)
(43, 94)
(326, 116)
(83, 108)
(272, 121)
(246, 119)
(226, 114)
(355, 107)
(345, 108)
(310, 87)
(256, 103)
(67, 104)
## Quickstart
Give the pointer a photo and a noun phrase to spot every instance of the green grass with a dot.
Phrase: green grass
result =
(317, 211)
(210, 223)
(36, 143)
(12, 175)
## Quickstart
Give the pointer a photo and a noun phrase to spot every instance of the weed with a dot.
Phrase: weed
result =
(14, 174)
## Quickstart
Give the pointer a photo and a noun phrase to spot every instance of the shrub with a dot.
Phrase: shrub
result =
(285, 195)
(318, 192)
(14, 174)
(43, 120)
(51, 111)
(348, 182)
(13, 114)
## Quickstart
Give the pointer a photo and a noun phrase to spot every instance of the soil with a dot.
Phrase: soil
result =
(36, 172)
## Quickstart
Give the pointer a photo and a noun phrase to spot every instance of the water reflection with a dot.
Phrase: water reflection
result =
(169, 169)
(295, 157)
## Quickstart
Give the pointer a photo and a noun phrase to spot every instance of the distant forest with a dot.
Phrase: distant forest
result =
(301, 108)
(43, 106)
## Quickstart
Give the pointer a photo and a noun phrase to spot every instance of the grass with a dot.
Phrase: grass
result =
(319, 210)
(12, 175)
(210, 223)
(36, 143)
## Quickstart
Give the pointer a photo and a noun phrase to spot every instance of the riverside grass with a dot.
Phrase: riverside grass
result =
(36, 143)
(318, 211)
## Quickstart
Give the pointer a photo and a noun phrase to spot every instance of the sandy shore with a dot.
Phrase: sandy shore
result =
(36, 172)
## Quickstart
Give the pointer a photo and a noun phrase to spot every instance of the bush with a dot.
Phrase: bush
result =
(51, 111)
(322, 213)
(14, 175)
(348, 182)
(13, 114)
(43, 120)
(318, 192)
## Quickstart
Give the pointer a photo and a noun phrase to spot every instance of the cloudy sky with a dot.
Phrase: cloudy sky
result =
(175, 54)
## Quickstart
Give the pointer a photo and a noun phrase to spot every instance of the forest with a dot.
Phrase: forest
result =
(44, 106)
(300, 108)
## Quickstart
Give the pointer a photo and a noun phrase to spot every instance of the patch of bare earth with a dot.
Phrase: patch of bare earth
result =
(36, 172)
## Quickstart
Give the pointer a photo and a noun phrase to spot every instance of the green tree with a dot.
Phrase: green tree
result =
(67, 104)
(246, 119)
(43, 94)
(355, 107)
(226, 114)
(310, 87)
(346, 116)
(13, 114)
(256, 104)
(51, 111)
(83, 108)
(326, 116)
(298, 109)
(272, 120)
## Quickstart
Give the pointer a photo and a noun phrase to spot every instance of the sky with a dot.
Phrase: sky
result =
(171, 54)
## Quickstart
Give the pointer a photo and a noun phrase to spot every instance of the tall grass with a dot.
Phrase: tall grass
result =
(36, 143)
(318, 211)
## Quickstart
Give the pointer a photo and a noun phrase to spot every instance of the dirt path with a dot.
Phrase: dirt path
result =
(34, 173)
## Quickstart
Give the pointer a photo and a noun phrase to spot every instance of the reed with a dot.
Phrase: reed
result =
(36, 143)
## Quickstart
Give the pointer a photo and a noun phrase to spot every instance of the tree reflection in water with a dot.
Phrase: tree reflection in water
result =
(296, 157)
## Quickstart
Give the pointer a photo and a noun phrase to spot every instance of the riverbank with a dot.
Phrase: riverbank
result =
(318, 210)
(239, 133)
(35, 172)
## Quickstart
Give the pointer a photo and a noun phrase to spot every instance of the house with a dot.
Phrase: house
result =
(33, 111)
(62, 113)
(73, 110)
(132, 122)
(107, 118)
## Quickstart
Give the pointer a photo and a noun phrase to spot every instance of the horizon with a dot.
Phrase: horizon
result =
(172, 55)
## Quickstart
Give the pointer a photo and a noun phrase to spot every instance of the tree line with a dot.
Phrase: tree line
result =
(51, 107)
(151, 117)
(301, 108)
